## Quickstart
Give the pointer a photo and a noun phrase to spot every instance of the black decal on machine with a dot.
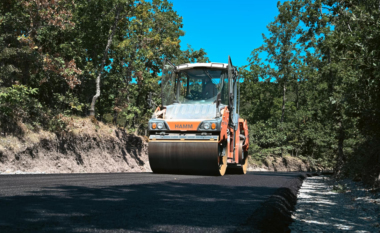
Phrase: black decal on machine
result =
(183, 126)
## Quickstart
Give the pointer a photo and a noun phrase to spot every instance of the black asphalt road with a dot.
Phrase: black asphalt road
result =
(133, 202)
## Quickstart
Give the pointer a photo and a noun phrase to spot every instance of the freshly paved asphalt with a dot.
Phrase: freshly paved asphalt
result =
(133, 202)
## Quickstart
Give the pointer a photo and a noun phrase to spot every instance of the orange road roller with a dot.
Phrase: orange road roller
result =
(197, 130)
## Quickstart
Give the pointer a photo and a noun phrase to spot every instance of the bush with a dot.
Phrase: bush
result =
(364, 163)
(17, 104)
(108, 118)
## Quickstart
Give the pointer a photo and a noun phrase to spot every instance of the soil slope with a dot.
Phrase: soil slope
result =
(285, 164)
(85, 149)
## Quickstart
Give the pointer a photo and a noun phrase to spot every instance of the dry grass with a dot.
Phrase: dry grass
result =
(10, 143)
(17, 144)
(87, 126)
(255, 162)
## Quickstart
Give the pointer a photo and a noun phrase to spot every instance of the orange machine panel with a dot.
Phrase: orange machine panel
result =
(224, 124)
(183, 125)
(244, 128)
(237, 142)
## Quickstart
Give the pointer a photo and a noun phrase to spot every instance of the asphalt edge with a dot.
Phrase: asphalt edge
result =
(275, 214)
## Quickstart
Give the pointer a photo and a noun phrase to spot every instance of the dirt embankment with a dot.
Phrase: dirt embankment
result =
(285, 164)
(88, 149)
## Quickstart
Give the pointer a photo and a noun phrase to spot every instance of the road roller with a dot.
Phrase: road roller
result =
(197, 128)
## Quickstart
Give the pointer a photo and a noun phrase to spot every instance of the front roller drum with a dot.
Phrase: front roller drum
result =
(186, 157)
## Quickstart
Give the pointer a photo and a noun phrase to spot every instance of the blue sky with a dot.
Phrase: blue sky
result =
(224, 27)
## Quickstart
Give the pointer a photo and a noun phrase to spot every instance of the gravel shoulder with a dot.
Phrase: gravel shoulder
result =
(327, 206)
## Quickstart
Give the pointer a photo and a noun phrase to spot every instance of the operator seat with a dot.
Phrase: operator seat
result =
(209, 90)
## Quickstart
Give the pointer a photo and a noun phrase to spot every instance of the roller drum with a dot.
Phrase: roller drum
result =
(200, 158)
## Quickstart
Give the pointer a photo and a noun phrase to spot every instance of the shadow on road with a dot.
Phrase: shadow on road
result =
(203, 204)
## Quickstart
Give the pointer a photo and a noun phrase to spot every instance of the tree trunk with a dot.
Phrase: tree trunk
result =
(115, 115)
(283, 103)
(297, 93)
(331, 81)
(96, 96)
(341, 159)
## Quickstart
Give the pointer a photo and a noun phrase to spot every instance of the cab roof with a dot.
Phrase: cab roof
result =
(202, 65)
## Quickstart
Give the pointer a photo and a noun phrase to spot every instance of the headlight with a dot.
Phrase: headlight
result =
(157, 125)
(206, 125)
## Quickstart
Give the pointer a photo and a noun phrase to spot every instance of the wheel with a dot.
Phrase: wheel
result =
(241, 168)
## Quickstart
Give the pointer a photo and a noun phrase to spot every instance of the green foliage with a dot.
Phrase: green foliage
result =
(323, 102)
(108, 118)
(16, 103)
(57, 123)
(14, 100)
(57, 47)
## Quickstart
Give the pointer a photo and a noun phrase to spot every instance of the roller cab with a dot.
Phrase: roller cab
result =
(198, 130)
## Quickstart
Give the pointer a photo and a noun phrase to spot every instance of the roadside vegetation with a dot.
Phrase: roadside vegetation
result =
(311, 91)
(100, 58)
(313, 88)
